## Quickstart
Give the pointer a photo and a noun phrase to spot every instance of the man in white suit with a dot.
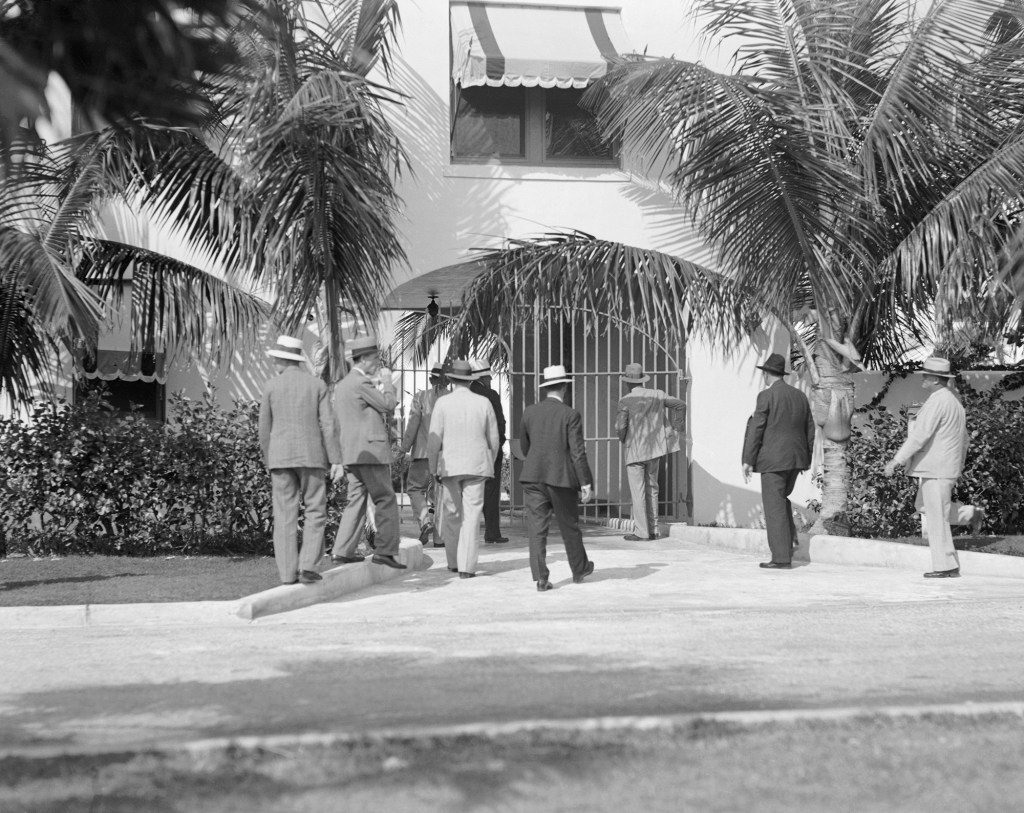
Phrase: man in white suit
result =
(461, 448)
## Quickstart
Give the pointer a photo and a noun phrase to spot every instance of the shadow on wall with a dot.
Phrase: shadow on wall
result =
(729, 505)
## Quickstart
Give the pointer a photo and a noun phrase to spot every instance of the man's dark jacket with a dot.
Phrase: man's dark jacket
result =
(480, 389)
(780, 433)
(551, 438)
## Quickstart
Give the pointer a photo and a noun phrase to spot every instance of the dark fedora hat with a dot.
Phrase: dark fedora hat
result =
(776, 364)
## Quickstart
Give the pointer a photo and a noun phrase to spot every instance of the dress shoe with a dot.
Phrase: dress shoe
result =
(586, 572)
(463, 575)
(777, 565)
(390, 561)
(439, 544)
(347, 560)
(544, 585)
(454, 569)
(497, 541)
(634, 538)
(944, 574)
(310, 576)
(293, 581)
(426, 529)
(654, 536)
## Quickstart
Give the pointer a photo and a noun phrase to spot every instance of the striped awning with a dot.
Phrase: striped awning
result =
(500, 44)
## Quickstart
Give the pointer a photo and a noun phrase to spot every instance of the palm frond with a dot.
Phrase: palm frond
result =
(665, 295)
(175, 306)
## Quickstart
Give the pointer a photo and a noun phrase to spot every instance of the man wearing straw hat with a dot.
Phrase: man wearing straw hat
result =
(777, 444)
(300, 443)
(556, 477)
(363, 412)
(461, 449)
(419, 482)
(647, 437)
(934, 452)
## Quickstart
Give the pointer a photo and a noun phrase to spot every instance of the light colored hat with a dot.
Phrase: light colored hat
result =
(481, 369)
(634, 374)
(461, 371)
(555, 375)
(361, 346)
(288, 347)
(938, 367)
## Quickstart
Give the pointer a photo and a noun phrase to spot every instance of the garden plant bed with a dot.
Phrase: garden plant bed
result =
(1007, 545)
(27, 581)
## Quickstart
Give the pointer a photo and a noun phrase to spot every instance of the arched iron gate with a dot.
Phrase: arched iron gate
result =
(596, 360)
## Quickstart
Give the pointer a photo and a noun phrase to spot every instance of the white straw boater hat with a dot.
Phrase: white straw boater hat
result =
(288, 347)
(461, 370)
(555, 374)
(938, 367)
(481, 369)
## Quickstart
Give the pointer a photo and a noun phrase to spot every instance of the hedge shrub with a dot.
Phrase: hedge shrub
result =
(993, 477)
(83, 479)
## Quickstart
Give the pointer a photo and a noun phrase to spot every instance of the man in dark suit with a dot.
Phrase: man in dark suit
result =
(492, 487)
(363, 412)
(554, 473)
(300, 444)
(778, 443)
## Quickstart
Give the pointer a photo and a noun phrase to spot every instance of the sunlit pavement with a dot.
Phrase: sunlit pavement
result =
(661, 628)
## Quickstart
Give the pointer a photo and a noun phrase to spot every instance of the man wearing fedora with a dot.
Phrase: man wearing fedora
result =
(647, 436)
(492, 488)
(777, 444)
(556, 476)
(934, 453)
(461, 448)
(419, 482)
(363, 412)
(300, 443)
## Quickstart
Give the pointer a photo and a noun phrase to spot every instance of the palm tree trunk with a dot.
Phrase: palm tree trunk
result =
(335, 344)
(832, 408)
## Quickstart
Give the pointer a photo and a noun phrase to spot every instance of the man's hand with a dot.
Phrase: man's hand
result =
(747, 471)
(890, 468)
(337, 471)
(586, 493)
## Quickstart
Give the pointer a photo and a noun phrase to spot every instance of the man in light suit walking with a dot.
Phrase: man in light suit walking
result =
(299, 442)
(461, 448)
(554, 474)
(647, 437)
(935, 451)
(419, 481)
(363, 412)
(777, 444)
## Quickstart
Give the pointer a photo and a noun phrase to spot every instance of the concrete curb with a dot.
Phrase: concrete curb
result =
(848, 550)
(337, 582)
(695, 724)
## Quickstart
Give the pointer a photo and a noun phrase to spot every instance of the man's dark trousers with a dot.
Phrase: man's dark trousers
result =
(492, 500)
(540, 501)
(776, 486)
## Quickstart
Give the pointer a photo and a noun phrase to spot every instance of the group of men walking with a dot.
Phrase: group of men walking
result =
(455, 439)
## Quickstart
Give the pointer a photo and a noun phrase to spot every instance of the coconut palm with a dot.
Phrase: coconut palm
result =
(288, 186)
(857, 173)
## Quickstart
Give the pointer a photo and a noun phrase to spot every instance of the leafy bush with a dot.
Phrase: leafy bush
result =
(993, 476)
(82, 478)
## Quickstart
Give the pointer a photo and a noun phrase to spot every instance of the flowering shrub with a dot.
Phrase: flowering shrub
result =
(83, 479)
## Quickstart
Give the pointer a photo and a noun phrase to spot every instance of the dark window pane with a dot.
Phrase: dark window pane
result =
(489, 122)
(569, 130)
(147, 397)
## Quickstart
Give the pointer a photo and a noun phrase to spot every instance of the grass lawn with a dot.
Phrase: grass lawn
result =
(128, 579)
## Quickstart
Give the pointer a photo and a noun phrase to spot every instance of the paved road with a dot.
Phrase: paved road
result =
(661, 628)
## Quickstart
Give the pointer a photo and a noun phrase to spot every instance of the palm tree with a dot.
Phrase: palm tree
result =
(288, 185)
(858, 174)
